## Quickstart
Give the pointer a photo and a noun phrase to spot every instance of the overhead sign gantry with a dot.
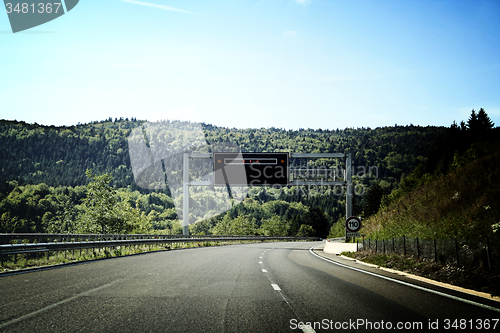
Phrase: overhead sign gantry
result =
(261, 169)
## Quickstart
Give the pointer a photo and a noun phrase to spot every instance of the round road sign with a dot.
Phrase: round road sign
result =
(353, 224)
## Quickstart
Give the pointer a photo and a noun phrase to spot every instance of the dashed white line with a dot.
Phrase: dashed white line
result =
(304, 328)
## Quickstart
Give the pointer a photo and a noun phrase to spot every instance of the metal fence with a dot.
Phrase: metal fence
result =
(17, 244)
(457, 252)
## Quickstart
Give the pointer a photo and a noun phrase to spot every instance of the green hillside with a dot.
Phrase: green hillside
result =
(43, 182)
(454, 194)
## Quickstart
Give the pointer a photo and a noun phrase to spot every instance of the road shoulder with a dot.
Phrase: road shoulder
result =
(409, 278)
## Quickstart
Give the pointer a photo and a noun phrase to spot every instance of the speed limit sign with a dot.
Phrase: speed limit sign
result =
(353, 224)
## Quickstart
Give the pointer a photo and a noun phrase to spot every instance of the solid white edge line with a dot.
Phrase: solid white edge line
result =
(406, 283)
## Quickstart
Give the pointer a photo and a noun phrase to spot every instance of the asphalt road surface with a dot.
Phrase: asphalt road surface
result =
(265, 287)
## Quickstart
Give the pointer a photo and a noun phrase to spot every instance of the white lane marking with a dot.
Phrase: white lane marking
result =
(260, 262)
(32, 314)
(456, 298)
(264, 270)
(260, 257)
(275, 286)
(307, 329)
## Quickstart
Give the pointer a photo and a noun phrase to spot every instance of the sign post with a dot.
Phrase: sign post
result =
(185, 190)
(348, 179)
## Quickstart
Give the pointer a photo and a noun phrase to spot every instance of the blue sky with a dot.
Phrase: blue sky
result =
(278, 63)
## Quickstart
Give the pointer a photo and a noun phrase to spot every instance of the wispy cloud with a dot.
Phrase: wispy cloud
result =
(289, 33)
(162, 7)
(302, 2)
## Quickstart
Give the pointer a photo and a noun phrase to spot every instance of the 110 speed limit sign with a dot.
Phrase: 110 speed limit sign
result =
(353, 224)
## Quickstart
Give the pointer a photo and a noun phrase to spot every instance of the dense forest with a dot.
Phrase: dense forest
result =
(45, 179)
(59, 156)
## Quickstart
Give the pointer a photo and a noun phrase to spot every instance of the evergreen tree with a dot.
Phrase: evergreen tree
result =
(473, 123)
(484, 121)
(479, 121)
(373, 200)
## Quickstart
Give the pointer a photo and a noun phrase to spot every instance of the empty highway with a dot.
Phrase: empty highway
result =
(262, 287)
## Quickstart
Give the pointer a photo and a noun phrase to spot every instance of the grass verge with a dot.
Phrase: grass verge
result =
(22, 261)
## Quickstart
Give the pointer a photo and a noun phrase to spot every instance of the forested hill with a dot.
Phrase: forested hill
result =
(59, 156)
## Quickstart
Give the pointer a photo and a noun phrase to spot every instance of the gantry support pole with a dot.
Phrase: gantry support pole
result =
(348, 204)
(185, 193)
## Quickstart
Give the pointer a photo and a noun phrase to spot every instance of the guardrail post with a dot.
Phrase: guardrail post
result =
(435, 251)
(488, 253)
(418, 249)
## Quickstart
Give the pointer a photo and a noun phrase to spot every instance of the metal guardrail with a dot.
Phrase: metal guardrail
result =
(335, 239)
(86, 241)
(47, 238)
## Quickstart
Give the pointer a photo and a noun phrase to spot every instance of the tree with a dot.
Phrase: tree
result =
(480, 121)
(99, 206)
(316, 218)
(306, 231)
(104, 212)
(274, 226)
(239, 226)
(373, 200)
(473, 123)
(484, 121)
